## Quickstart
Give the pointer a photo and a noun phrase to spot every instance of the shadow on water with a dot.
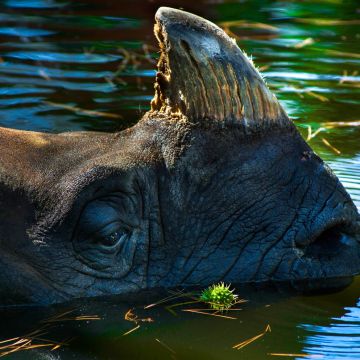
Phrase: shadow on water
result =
(323, 326)
(90, 65)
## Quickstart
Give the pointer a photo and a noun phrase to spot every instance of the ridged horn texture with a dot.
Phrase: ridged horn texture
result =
(204, 76)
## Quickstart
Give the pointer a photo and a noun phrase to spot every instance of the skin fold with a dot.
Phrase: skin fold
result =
(213, 183)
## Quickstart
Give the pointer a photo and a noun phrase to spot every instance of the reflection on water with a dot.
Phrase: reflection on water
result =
(339, 340)
(316, 327)
(348, 170)
(100, 55)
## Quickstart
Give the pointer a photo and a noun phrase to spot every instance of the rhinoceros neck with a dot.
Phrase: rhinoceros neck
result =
(204, 76)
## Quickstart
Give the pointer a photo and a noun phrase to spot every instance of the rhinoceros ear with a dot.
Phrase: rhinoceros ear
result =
(204, 76)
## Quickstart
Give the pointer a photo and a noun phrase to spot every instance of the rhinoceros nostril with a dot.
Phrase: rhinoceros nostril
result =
(329, 242)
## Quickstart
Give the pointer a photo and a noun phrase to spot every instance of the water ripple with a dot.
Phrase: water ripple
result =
(79, 86)
(308, 76)
(72, 58)
(31, 70)
(339, 340)
(348, 171)
(34, 4)
(23, 90)
(24, 32)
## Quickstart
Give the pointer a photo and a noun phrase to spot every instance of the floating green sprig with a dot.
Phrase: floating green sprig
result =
(219, 296)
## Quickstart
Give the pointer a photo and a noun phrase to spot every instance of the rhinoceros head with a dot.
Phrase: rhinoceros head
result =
(213, 183)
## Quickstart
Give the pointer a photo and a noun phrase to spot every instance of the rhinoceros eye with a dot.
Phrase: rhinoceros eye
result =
(105, 235)
(112, 236)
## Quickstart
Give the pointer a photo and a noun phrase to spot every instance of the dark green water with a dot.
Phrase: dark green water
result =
(100, 55)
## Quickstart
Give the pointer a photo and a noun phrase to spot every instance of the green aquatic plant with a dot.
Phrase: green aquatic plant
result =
(219, 296)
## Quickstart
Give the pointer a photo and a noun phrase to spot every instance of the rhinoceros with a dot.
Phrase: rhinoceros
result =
(214, 183)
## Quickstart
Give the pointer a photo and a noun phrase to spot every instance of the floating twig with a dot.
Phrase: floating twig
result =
(50, 319)
(132, 317)
(29, 342)
(248, 24)
(327, 22)
(61, 317)
(87, 317)
(83, 111)
(227, 25)
(311, 135)
(348, 78)
(303, 43)
(132, 330)
(334, 149)
(311, 356)
(249, 341)
(9, 340)
(166, 346)
(317, 96)
(148, 56)
(44, 74)
(209, 314)
(217, 311)
(342, 53)
(76, 318)
(17, 348)
(172, 297)
(336, 124)
(263, 68)
(166, 299)
(170, 307)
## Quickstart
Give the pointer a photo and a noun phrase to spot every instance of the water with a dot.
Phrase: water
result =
(58, 57)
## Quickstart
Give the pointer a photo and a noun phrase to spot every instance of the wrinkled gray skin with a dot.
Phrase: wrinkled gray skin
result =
(188, 196)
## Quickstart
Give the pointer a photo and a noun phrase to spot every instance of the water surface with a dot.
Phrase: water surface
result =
(59, 58)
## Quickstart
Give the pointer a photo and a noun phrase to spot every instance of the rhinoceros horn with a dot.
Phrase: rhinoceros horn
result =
(205, 77)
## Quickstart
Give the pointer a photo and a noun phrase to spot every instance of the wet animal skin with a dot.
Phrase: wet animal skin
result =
(214, 183)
